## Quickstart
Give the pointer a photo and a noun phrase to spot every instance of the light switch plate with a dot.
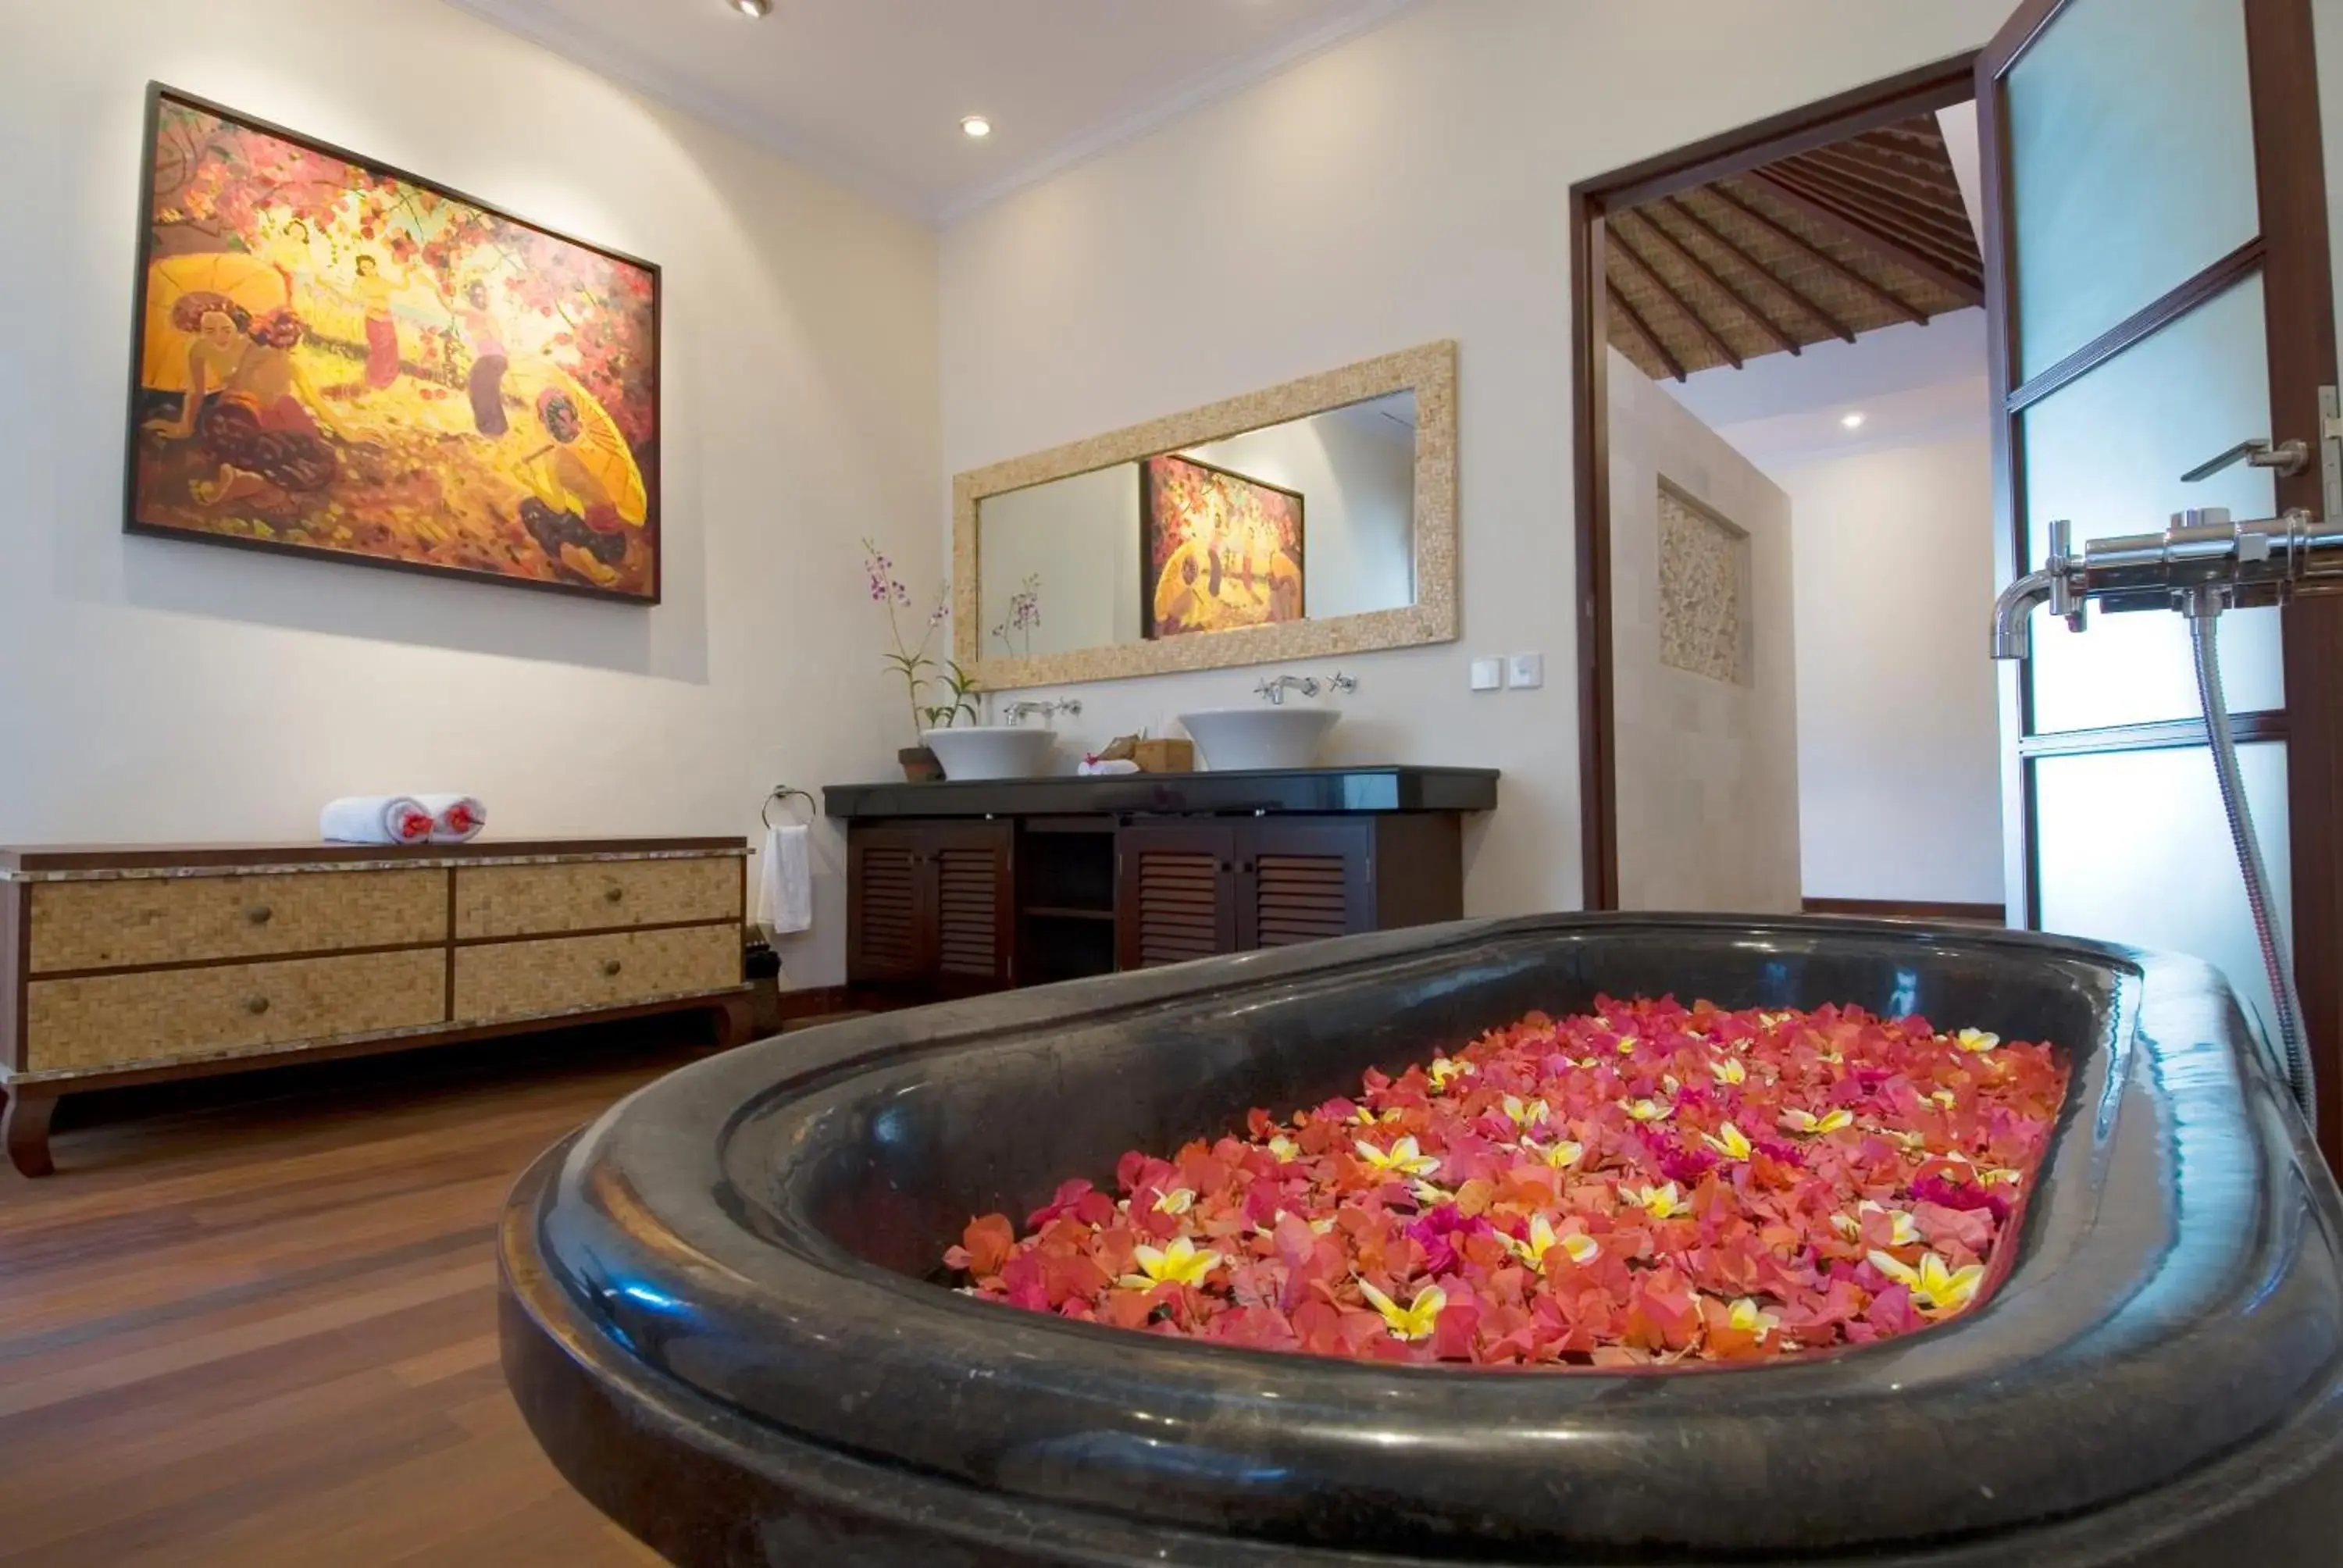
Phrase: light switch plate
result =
(1488, 674)
(1525, 672)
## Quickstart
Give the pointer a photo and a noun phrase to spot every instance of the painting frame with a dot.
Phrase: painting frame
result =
(1148, 528)
(157, 94)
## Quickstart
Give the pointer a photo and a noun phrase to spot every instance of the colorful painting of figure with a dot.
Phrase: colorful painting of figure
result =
(1221, 550)
(342, 360)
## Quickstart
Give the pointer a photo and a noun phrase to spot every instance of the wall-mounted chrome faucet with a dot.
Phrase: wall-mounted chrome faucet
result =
(1274, 691)
(1019, 712)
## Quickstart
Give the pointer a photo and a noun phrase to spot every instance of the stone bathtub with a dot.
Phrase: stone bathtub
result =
(721, 1312)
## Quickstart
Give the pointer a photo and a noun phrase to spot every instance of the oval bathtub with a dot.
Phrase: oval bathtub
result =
(723, 1317)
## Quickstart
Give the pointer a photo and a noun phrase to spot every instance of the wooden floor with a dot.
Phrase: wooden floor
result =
(254, 1323)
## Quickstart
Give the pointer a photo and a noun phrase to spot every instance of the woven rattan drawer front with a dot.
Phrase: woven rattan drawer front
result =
(519, 979)
(163, 1015)
(594, 896)
(172, 920)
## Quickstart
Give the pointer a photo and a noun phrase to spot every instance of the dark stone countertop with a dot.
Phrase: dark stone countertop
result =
(1313, 791)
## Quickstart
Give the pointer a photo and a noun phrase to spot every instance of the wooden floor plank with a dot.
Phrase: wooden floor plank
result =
(253, 1324)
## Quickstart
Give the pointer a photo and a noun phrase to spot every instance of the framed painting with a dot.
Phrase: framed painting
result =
(1222, 549)
(333, 357)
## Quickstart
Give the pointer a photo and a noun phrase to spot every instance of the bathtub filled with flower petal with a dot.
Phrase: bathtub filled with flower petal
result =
(729, 1319)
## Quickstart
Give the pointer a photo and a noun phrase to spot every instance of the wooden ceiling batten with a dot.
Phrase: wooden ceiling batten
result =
(1864, 232)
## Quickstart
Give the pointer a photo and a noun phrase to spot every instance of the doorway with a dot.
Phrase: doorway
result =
(2104, 778)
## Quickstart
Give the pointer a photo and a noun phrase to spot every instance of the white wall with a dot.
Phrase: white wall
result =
(1899, 779)
(1707, 769)
(154, 689)
(1411, 185)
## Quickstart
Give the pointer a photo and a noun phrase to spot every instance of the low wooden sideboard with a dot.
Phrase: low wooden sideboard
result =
(124, 965)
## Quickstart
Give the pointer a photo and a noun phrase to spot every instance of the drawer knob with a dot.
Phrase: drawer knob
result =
(259, 914)
(255, 1005)
(613, 893)
(611, 966)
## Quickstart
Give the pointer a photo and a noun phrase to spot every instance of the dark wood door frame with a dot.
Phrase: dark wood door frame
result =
(2291, 256)
(1940, 85)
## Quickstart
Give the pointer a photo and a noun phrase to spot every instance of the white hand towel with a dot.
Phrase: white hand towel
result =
(785, 880)
(1092, 767)
(373, 819)
(454, 817)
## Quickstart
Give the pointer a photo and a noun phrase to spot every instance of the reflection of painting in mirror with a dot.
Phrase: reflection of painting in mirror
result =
(1222, 550)
(339, 359)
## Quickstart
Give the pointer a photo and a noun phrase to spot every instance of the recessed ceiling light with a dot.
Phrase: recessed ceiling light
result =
(1851, 422)
(753, 7)
(976, 125)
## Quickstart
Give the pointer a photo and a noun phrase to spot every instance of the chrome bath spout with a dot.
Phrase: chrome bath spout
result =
(2013, 615)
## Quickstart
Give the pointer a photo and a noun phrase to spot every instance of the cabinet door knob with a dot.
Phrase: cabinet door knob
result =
(613, 893)
(259, 914)
(611, 966)
(255, 1005)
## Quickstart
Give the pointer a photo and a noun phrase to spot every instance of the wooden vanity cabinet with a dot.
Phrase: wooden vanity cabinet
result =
(1193, 889)
(930, 905)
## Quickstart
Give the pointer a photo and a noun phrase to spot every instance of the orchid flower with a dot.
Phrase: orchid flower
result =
(1178, 1200)
(1524, 1116)
(1415, 1320)
(1747, 1316)
(1284, 1148)
(1661, 1202)
(1730, 1070)
(1975, 1041)
(1647, 1109)
(1444, 1067)
(1730, 1142)
(1901, 1231)
(1179, 1263)
(1936, 1289)
(1806, 1124)
(1404, 1158)
(1542, 1239)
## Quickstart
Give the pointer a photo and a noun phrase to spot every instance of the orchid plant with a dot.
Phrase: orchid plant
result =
(912, 660)
(1645, 1184)
(1016, 632)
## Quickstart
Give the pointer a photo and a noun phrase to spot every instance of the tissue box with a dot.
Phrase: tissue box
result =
(1165, 756)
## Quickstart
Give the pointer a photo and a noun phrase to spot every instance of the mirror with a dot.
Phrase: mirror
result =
(1312, 518)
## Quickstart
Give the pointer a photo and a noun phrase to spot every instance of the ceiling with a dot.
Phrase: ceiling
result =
(1866, 233)
(871, 93)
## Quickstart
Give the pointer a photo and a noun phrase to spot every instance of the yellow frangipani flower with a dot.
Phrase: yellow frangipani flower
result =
(1729, 1141)
(1561, 1156)
(1975, 1041)
(1901, 1231)
(1179, 1263)
(1936, 1289)
(1429, 1195)
(1542, 1239)
(1524, 1115)
(1322, 1225)
(1647, 1109)
(1661, 1202)
(1405, 1157)
(1178, 1200)
(1747, 1316)
(1806, 1124)
(1415, 1320)
(1668, 1081)
(1367, 1118)
(1444, 1067)
(1628, 1043)
(1944, 1097)
(1999, 1176)
(1284, 1148)
(1729, 1070)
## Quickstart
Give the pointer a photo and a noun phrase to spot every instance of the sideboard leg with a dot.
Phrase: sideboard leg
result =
(25, 1129)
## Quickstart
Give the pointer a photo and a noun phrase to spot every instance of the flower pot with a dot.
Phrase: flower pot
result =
(919, 765)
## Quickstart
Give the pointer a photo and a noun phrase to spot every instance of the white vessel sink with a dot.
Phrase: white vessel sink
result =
(991, 750)
(1236, 738)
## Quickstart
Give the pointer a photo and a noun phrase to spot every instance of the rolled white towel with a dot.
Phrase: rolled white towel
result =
(454, 817)
(375, 820)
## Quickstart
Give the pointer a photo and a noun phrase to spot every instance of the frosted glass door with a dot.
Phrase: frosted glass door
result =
(2134, 320)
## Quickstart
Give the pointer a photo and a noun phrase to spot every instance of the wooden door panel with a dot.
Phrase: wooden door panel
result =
(1304, 881)
(883, 906)
(974, 902)
(1174, 893)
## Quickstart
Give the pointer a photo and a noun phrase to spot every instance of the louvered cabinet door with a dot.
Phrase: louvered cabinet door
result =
(1300, 881)
(970, 868)
(1175, 893)
(884, 938)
